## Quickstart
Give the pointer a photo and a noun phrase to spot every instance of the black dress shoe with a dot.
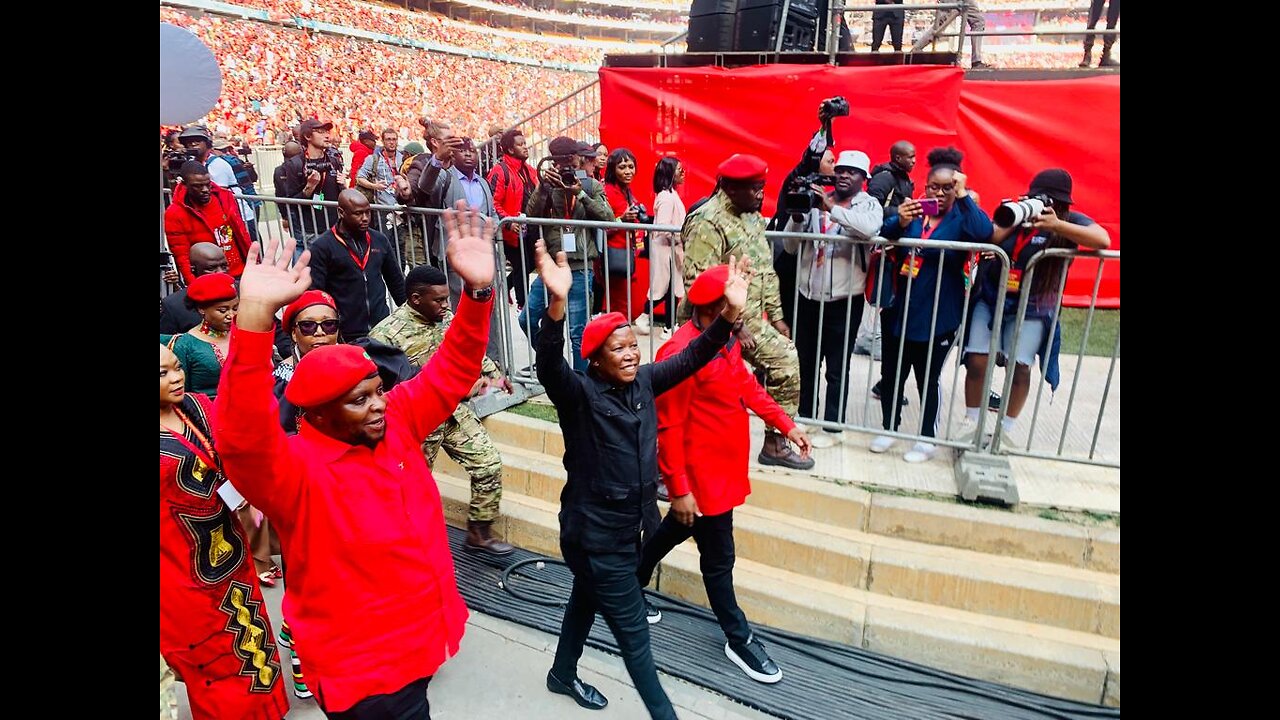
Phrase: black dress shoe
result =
(582, 693)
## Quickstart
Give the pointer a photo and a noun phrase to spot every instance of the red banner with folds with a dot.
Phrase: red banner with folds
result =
(1007, 130)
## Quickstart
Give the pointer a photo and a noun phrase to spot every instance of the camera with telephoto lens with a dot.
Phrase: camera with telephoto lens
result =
(1021, 212)
(800, 198)
(568, 175)
(834, 107)
(331, 162)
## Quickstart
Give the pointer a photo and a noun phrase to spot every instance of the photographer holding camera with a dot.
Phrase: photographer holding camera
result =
(628, 272)
(818, 159)
(1040, 220)
(831, 277)
(561, 193)
(313, 175)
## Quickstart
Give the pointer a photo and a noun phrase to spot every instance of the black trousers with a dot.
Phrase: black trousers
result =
(606, 583)
(1095, 14)
(833, 344)
(891, 19)
(407, 703)
(521, 266)
(714, 535)
(913, 360)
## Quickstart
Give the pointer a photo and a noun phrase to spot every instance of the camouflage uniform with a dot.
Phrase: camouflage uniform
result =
(168, 693)
(464, 439)
(713, 233)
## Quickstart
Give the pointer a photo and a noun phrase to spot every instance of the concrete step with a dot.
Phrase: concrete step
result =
(1015, 588)
(934, 522)
(1052, 660)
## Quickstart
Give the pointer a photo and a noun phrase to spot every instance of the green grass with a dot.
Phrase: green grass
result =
(1102, 333)
(539, 411)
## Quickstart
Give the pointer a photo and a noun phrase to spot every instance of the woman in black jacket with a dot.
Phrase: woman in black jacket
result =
(609, 422)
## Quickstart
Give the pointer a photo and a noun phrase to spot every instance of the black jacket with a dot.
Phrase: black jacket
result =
(890, 185)
(175, 316)
(314, 220)
(361, 295)
(611, 438)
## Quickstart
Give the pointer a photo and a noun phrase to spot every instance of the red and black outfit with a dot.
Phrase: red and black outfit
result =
(372, 603)
(513, 182)
(627, 295)
(214, 630)
(217, 222)
(709, 411)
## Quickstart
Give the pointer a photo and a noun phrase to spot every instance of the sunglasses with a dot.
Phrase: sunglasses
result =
(308, 327)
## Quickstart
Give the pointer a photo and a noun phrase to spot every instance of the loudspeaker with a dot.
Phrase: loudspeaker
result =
(760, 20)
(711, 25)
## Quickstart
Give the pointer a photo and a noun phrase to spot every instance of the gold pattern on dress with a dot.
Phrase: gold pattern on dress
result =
(199, 471)
(251, 641)
(219, 549)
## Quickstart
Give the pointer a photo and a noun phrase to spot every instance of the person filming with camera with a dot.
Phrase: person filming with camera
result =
(562, 193)
(313, 175)
(1038, 221)
(831, 277)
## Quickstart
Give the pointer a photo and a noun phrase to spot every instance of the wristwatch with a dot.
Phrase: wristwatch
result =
(484, 294)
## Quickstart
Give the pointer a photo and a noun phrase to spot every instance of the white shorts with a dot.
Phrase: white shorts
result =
(980, 335)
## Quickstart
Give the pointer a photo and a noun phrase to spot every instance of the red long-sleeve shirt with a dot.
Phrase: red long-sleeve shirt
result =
(372, 601)
(704, 434)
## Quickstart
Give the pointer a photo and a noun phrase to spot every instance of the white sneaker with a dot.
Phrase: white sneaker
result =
(642, 325)
(920, 452)
(821, 439)
(882, 443)
(665, 334)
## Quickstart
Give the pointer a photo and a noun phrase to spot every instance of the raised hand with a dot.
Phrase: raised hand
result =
(469, 245)
(269, 283)
(555, 274)
(735, 288)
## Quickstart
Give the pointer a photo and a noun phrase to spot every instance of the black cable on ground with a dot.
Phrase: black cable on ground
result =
(822, 680)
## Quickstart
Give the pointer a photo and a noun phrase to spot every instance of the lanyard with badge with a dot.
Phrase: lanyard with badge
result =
(914, 261)
(568, 240)
(1014, 283)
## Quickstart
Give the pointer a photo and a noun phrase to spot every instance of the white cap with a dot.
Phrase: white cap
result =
(855, 159)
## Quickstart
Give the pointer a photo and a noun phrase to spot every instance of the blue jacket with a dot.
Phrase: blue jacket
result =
(965, 222)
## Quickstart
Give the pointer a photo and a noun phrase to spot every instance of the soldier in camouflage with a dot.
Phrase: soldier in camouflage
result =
(418, 327)
(730, 223)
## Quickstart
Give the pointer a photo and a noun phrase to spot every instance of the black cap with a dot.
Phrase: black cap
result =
(585, 150)
(563, 146)
(311, 125)
(368, 135)
(1054, 182)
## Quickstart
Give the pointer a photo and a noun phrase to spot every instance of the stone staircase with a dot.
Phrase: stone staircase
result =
(1022, 600)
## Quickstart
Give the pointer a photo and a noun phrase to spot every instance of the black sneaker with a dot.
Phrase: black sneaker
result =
(754, 661)
(875, 393)
(652, 614)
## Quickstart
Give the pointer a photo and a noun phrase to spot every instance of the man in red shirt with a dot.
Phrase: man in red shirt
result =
(513, 181)
(709, 410)
(203, 211)
(373, 604)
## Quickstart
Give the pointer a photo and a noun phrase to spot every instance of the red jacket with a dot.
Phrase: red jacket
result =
(373, 604)
(359, 153)
(217, 222)
(704, 436)
(509, 197)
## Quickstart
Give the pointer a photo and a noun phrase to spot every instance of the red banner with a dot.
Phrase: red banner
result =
(1007, 130)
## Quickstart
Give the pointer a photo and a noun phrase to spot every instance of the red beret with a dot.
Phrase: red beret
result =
(308, 298)
(743, 167)
(709, 287)
(212, 288)
(327, 373)
(598, 330)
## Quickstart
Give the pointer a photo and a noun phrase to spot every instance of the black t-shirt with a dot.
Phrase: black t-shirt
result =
(1021, 247)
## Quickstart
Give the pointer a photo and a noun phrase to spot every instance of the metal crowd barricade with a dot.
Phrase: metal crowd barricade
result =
(1064, 256)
